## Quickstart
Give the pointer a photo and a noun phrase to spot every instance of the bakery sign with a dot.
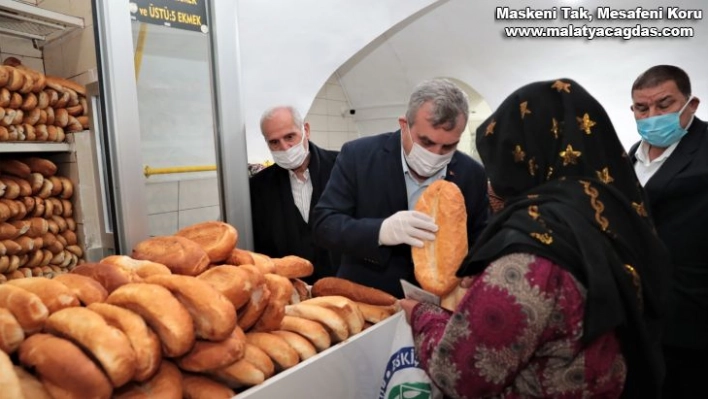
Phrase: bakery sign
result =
(180, 14)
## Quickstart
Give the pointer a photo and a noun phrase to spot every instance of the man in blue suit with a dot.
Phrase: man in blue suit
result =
(366, 210)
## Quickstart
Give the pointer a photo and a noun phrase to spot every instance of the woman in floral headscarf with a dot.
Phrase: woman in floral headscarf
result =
(569, 275)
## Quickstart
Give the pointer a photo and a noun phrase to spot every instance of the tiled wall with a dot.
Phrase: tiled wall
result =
(331, 125)
(173, 205)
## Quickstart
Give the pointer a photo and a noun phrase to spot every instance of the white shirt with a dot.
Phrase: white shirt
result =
(302, 193)
(415, 188)
(644, 168)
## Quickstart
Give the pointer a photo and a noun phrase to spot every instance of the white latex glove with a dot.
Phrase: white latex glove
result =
(407, 227)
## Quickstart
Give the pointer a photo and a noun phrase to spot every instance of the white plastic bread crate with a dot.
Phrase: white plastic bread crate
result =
(352, 369)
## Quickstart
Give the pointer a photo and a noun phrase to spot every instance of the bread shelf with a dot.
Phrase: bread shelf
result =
(16, 147)
(32, 22)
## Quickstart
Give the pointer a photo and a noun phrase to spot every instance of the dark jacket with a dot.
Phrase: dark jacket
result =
(278, 228)
(678, 201)
(367, 186)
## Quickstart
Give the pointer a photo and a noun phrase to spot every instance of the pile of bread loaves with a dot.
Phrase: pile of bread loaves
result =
(187, 315)
(36, 107)
(37, 227)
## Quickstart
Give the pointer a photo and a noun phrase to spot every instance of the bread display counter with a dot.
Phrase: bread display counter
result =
(352, 369)
(188, 313)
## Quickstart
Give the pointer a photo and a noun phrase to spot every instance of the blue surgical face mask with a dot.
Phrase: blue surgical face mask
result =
(663, 130)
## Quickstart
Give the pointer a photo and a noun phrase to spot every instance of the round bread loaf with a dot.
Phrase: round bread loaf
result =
(181, 255)
(281, 290)
(143, 268)
(252, 311)
(240, 257)
(54, 295)
(436, 263)
(209, 355)
(31, 387)
(162, 312)
(49, 356)
(232, 282)
(109, 276)
(85, 288)
(92, 333)
(9, 380)
(217, 239)
(28, 308)
(142, 339)
(199, 387)
(213, 315)
(292, 266)
(356, 292)
(11, 333)
(165, 384)
(264, 263)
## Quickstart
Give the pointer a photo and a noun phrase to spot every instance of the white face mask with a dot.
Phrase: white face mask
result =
(424, 162)
(293, 157)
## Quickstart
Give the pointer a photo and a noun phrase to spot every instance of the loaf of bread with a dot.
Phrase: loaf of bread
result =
(300, 344)
(331, 320)
(240, 374)
(209, 355)
(292, 266)
(240, 257)
(200, 387)
(85, 288)
(264, 263)
(31, 386)
(345, 308)
(181, 255)
(217, 239)
(28, 308)
(143, 268)
(109, 276)
(254, 308)
(356, 292)
(438, 260)
(281, 290)
(105, 343)
(49, 356)
(162, 312)
(375, 313)
(143, 340)
(282, 354)
(301, 291)
(11, 333)
(54, 295)
(312, 330)
(166, 383)
(9, 380)
(213, 315)
(232, 282)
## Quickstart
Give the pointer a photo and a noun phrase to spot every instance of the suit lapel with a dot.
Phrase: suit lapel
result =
(393, 170)
(452, 171)
(682, 156)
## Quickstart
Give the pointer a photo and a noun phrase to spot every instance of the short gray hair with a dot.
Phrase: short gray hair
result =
(268, 114)
(449, 102)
